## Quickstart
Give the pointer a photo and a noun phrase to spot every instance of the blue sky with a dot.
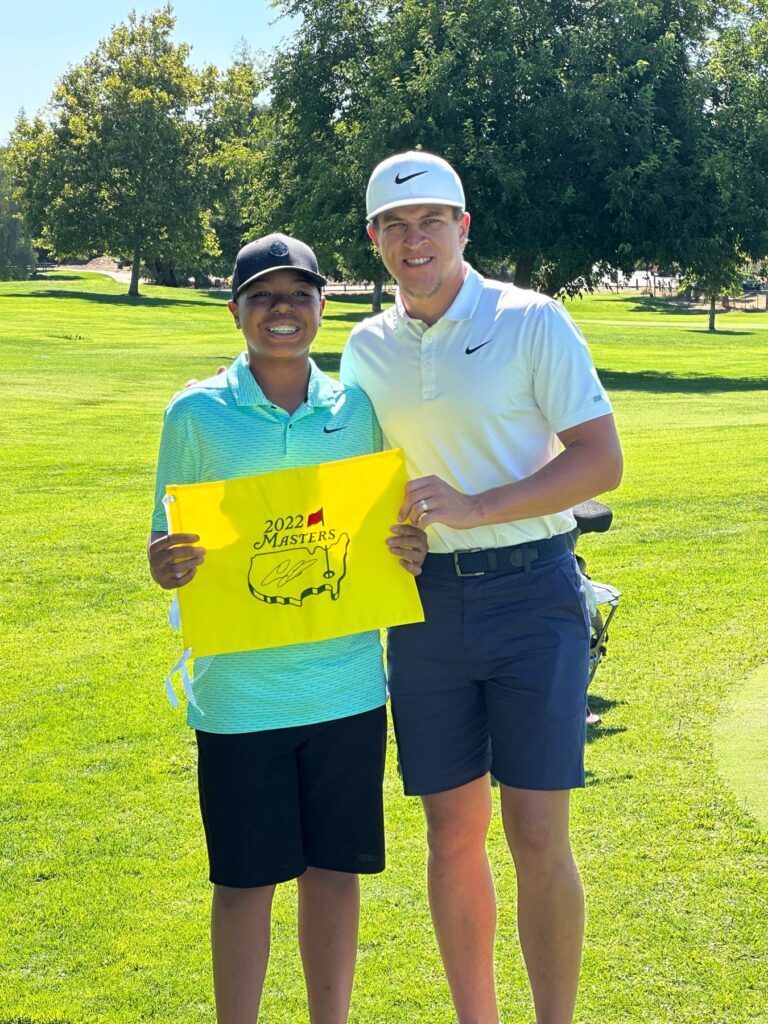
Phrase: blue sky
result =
(40, 40)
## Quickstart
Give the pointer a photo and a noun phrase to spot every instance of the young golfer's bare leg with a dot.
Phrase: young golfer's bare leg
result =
(329, 912)
(240, 920)
(550, 898)
(462, 897)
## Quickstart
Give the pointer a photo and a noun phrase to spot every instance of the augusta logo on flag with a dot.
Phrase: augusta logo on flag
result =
(293, 556)
(316, 565)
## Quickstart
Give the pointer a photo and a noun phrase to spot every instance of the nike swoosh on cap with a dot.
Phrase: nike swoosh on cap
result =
(402, 181)
(469, 350)
(333, 430)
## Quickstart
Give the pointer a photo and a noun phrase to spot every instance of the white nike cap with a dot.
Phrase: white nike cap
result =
(409, 179)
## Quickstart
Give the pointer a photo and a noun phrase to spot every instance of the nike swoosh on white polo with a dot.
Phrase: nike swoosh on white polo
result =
(468, 351)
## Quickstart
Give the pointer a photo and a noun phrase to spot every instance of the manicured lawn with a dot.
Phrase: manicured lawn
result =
(102, 864)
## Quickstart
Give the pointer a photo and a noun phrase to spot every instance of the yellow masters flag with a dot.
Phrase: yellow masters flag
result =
(293, 556)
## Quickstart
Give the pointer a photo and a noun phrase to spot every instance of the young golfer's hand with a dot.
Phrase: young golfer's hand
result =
(409, 544)
(173, 561)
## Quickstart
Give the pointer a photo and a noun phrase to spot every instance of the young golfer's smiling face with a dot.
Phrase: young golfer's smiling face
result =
(279, 315)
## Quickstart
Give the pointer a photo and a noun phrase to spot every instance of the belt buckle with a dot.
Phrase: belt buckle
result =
(457, 566)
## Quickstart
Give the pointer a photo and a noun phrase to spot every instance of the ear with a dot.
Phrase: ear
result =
(235, 312)
(372, 235)
(322, 304)
(464, 229)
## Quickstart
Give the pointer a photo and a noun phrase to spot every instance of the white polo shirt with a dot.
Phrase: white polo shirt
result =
(478, 397)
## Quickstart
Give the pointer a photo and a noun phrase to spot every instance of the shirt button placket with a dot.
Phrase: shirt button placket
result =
(427, 366)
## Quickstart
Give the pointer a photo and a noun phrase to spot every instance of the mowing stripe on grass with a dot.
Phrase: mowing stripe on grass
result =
(741, 744)
(666, 325)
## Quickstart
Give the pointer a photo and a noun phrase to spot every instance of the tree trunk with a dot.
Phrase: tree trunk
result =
(164, 273)
(524, 265)
(133, 287)
(378, 288)
(712, 313)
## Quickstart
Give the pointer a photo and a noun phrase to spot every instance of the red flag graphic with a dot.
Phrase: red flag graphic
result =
(314, 518)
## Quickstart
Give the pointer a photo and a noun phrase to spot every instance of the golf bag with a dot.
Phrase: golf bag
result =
(602, 598)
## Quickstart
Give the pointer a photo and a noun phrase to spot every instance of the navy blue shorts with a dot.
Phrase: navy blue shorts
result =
(494, 680)
(279, 801)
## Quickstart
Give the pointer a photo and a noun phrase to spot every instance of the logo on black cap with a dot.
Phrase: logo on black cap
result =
(273, 252)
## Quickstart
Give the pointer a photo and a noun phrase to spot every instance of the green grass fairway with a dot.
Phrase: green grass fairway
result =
(102, 863)
(741, 743)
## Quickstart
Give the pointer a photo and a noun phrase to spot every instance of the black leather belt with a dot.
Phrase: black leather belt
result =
(479, 561)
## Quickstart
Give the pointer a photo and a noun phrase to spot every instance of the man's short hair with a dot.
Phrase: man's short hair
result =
(457, 211)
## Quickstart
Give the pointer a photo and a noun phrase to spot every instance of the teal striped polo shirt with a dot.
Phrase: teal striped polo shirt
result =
(226, 427)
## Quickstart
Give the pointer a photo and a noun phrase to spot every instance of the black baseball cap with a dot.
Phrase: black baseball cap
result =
(273, 252)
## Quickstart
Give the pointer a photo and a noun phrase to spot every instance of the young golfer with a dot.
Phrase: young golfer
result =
(290, 740)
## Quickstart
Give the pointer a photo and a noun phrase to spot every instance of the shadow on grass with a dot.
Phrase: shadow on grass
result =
(717, 333)
(348, 318)
(677, 307)
(601, 706)
(41, 275)
(656, 382)
(328, 362)
(37, 1020)
(592, 779)
(105, 298)
(602, 731)
(357, 297)
(673, 307)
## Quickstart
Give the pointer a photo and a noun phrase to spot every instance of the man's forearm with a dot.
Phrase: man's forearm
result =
(590, 463)
(574, 475)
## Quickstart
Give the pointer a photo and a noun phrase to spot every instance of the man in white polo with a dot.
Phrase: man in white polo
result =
(491, 392)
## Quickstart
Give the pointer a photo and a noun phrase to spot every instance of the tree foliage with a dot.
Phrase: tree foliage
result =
(589, 134)
(17, 257)
(312, 176)
(234, 125)
(729, 226)
(574, 124)
(116, 164)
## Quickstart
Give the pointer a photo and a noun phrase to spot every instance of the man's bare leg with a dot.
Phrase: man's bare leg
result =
(462, 898)
(240, 920)
(550, 898)
(329, 911)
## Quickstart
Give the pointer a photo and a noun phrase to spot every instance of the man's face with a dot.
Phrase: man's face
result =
(279, 314)
(421, 247)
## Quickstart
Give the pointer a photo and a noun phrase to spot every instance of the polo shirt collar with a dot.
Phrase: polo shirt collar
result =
(463, 306)
(322, 391)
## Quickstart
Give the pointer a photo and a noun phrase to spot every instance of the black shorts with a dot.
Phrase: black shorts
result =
(279, 801)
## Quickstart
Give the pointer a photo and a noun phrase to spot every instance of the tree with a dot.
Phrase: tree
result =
(116, 165)
(312, 177)
(573, 124)
(730, 224)
(17, 257)
(234, 126)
